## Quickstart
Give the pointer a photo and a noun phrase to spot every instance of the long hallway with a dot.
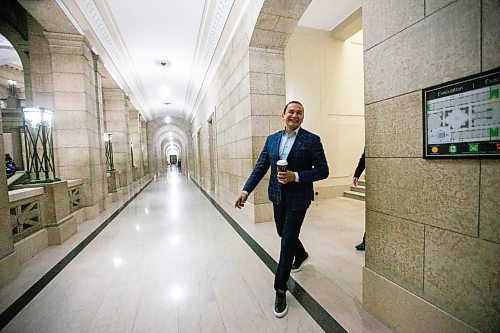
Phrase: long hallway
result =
(170, 262)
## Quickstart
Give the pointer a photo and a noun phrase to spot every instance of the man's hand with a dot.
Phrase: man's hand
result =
(355, 181)
(240, 201)
(286, 177)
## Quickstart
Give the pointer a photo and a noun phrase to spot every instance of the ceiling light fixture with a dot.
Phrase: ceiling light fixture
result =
(164, 89)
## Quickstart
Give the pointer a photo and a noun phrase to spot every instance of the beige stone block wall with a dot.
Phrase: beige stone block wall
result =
(248, 95)
(229, 98)
(399, 303)
(9, 268)
(432, 225)
(144, 147)
(396, 250)
(490, 27)
(441, 193)
(460, 274)
(101, 168)
(6, 240)
(267, 98)
(77, 133)
(424, 53)
(390, 17)
(134, 130)
(433, 5)
(489, 214)
(116, 105)
(40, 66)
(30, 246)
(399, 121)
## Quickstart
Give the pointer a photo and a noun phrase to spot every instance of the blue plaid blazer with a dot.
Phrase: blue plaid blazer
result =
(306, 157)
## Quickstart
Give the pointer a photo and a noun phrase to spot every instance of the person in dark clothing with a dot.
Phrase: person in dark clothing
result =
(10, 166)
(290, 190)
(355, 181)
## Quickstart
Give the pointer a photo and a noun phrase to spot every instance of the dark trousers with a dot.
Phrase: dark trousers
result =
(288, 222)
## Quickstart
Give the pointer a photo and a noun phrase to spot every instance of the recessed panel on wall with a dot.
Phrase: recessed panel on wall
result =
(462, 117)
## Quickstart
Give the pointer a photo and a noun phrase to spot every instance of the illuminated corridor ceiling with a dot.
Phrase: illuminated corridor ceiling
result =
(132, 36)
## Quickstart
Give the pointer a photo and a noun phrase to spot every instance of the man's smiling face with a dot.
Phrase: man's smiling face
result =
(293, 116)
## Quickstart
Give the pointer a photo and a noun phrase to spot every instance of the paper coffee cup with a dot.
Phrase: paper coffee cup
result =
(282, 165)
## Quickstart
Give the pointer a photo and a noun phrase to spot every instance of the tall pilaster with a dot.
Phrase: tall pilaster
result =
(256, 100)
(76, 121)
(8, 260)
(99, 72)
(116, 105)
(433, 244)
(134, 128)
(144, 147)
(41, 67)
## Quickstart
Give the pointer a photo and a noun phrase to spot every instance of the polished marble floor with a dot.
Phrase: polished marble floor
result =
(170, 262)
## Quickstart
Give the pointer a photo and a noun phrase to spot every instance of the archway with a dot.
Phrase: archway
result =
(12, 98)
(160, 134)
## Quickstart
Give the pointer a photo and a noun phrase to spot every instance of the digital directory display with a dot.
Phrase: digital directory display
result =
(462, 117)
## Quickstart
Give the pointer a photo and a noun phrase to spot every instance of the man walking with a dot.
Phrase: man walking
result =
(290, 191)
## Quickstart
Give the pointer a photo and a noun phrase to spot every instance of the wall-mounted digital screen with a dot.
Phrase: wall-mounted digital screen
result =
(462, 117)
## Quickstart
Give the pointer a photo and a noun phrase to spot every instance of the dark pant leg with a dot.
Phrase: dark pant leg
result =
(288, 224)
(279, 220)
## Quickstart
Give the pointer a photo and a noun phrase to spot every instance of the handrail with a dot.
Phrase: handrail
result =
(24, 193)
(74, 182)
(16, 177)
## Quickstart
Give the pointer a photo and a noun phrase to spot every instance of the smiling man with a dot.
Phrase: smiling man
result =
(290, 191)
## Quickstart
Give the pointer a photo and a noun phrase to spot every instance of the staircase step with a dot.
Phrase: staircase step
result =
(360, 189)
(355, 195)
(362, 182)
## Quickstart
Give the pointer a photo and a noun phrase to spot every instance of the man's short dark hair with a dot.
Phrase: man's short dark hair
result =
(292, 102)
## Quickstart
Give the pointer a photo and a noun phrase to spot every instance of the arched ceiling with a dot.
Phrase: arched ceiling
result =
(131, 36)
(8, 54)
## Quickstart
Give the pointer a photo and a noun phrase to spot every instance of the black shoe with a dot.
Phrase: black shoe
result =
(360, 246)
(280, 306)
(297, 264)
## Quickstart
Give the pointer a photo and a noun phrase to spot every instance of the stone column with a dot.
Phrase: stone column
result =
(76, 122)
(41, 67)
(116, 122)
(432, 240)
(151, 151)
(258, 98)
(144, 147)
(102, 172)
(267, 99)
(9, 266)
(135, 142)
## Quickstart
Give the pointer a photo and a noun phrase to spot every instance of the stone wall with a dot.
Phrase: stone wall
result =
(134, 129)
(158, 133)
(116, 119)
(433, 247)
(248, 96)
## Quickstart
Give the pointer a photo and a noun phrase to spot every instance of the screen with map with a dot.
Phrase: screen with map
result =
(462, 118)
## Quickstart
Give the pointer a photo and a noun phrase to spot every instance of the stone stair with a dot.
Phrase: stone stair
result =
(357, 192)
